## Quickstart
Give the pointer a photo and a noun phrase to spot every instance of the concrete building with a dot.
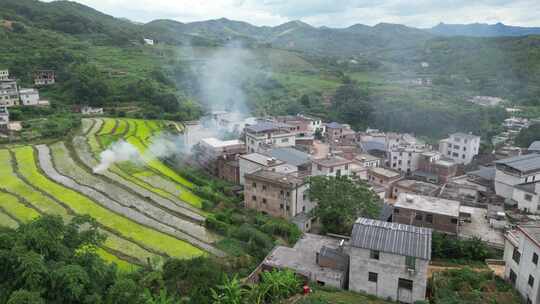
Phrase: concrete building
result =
(413, 187)
(331, 166)
(389, 260)
(44, 77)
(265, 134)
(4, 75)
(426, 211)
(294, 157)
(381, 177)
(252, 162)
(9, 93)
(30, 97)
(460, 147)
(220, 157)
(305, 126)
(404, 160)
(514, 171)
(362, 163)
(279, 194)
(432, 164)
(527, 197)
(4, 118)
(316, 258)
(87, 110)
(339, 134)
(521, 251)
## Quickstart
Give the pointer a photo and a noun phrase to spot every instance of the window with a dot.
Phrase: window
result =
(288, 208)
(338, 172)
(529, 300)
(429, 218)
(280, 206)
(284, 140)
(455, 154)
(396, 211)
(453, 221)
(331, 169)
(264, 201)
(463, 156)
(264, 187)
(254, 185)
(347, 167)
(464, 148)
(535, 258)
(303, 208)
(254, 198)
(419, 217)
(304, 196)
(530, 281)
(405, 284)
(516, 256)
(319, 167)
(373, 276)
(512, 277)
(410, 262)
(374, 254)
(528, 197)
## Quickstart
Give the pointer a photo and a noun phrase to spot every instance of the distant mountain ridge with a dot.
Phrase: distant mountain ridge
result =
(483, 30)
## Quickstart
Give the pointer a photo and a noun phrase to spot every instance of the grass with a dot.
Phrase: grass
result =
(335, 296)
(109, 125)
(122, 265)
(12, 206)
(12, 183)
(83, 205)
(7, 221)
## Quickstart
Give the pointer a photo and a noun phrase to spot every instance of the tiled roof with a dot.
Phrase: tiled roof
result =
(290, 155)
(266, 126)
(393, 238)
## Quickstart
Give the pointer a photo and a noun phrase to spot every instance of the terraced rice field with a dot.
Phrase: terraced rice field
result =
(81, 204)
(147, 211)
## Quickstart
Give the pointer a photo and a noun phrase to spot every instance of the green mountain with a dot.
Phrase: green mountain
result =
(483, 30)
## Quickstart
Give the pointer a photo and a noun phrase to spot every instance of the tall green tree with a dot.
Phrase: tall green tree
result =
(528, 135)
(351, 104)
(340, 201)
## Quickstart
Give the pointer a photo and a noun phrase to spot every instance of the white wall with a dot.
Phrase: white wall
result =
(525, 267)
(316, 170)
(531, 205)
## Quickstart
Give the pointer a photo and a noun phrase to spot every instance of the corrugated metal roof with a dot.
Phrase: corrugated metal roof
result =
(290, 155)
(535, 146)
(523, 163)
(394, 238)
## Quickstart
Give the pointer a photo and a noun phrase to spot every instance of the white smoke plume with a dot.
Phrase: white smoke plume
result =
(119, 151)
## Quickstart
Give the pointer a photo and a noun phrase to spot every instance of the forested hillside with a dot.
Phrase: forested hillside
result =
(413, 80)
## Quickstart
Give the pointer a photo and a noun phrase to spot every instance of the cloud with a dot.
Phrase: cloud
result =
(335, 13)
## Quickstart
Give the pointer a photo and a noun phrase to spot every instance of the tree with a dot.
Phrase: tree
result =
(352, 105)
(23, 296)
(88, 85)
(275, 286)
(340, 201)
(229, 292)
(125, 291)
(528, 135)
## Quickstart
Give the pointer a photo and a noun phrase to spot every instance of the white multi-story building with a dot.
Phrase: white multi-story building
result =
(30, 97)
(9, 94)
(460, 147)
(515, 171)
(264, 135)
(395, 268)
(405, 160)
(4, 75)
(4, 118)
(521, 251)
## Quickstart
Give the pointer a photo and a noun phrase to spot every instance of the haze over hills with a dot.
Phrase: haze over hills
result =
(483, 30)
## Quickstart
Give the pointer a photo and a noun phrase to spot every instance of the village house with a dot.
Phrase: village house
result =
(426, 211)
(527, 197)
(382, 177)
(44, 77)
(88, 110)
(30, 97)
(305, 126)
(389, 260)
(265, 134)
(460, 147)
(9, 93)
(279, 194)
(4, 75)
(316, 258)
(220, 158)
(413, 187)
(432, 164)
(514, 171)
(521, 251)
(362, 163)
(4, 118)
(249, 163)
(294, 157)
(331, 166)
(405, 160)
(339, 134)
(534, 147)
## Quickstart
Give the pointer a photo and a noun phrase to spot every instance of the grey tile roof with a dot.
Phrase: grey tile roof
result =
(523, 163)
(487, 173)
(393, 238)
(535, 146)
(372, 145)
(266, 126)
(334, 125)
(291, 156)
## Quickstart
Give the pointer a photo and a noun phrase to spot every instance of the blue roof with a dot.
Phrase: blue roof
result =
(372, 145)
(334, 125)
(291, 156)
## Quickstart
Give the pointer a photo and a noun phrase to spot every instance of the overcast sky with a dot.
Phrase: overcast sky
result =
(333, 13)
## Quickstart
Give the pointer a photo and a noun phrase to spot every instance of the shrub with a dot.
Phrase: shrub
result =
(217, 225)
(207, 205)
